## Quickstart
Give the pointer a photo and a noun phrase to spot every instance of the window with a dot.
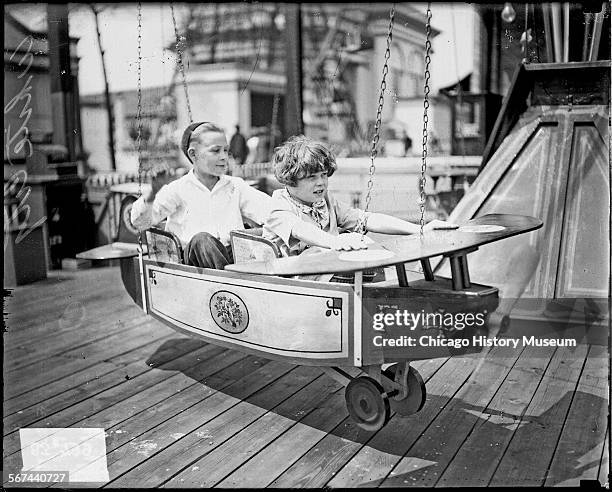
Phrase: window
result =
(398, 72)
(415, 76)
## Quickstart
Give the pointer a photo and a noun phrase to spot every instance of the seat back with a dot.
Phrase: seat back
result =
(163, 246)
(249, 245)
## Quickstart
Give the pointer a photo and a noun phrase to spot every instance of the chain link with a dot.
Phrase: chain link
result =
(297, 76)
(275, 104)
(381, 101)
(139, 113)
(422, 198)
(139, 104)
(180, 43)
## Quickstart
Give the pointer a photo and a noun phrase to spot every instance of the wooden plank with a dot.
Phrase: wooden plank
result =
(171, 357)
(46, 371)
(319, 465)
(26, 316)
(173, 384)
(76, 339)
(189, 373)
(35, 317)
(174, 408)
(219, 463)
(479, 455)
(22, 320)
(39, 405)
(209, 434)
(270, 462)
(75, 318)
(85, 376)
(578, 453)
(444, 434)
(41, 294)
(529, 453)
(171, 418)
(129, 418)
(52, 333)
(59, 281)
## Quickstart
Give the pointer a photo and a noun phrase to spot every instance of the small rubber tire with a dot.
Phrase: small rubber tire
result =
(367, 403)
(417, 394)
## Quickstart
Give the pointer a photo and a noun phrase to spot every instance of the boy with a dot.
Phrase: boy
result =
(204, 205)
(305, 214)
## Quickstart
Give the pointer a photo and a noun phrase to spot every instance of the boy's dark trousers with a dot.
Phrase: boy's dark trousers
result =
(206, 251)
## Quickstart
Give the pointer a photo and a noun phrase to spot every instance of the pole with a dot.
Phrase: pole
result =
(547, 33)
(293, 41)
(599, 18)
(556, 18)
(61, 79)
(107, 98)
(566, 18)
(588, 18)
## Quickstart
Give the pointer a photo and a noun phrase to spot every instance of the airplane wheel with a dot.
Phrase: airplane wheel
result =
(417, 393)
(367, 403)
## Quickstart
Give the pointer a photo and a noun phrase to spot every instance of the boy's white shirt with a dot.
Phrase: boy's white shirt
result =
(190, 207)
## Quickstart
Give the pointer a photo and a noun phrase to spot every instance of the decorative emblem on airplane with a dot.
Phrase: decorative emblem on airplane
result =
(335, 307)
(229, 312)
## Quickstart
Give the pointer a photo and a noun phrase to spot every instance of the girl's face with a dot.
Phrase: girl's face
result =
(310, 188)
(209, 153)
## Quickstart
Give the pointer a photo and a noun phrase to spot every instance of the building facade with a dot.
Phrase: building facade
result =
(235, 63)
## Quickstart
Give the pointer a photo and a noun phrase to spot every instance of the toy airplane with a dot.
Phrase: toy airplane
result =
(256, 307)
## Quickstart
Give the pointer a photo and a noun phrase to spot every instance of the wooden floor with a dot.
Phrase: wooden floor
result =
(181, 413)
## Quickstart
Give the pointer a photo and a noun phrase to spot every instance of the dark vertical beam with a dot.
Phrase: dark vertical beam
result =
(61, 77)
(588, 19)
(402, 280)
(107, 97)
(427, 271)
(465, 273)
(294, 124)
(456, 275)
(495, 47)
(485, 41)
(548, 33)
(78, 136)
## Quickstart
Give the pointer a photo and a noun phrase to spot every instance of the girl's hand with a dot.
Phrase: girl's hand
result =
(351, 241)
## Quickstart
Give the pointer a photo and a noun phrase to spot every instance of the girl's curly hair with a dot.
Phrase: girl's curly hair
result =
(300, 156)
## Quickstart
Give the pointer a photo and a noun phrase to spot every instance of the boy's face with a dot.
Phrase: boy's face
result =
(209, 153)
(311, 188)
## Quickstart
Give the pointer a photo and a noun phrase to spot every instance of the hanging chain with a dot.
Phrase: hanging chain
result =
(298, 90)
(139, 113)
(379, 111)
(275, 104)
(180, 43)
(422, 198)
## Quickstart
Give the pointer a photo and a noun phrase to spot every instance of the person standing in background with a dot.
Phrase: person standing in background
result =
(238, 147)
(407, 143)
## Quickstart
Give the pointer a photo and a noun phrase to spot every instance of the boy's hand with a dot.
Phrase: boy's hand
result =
(439, 224)
(160, 177)
(350, 241)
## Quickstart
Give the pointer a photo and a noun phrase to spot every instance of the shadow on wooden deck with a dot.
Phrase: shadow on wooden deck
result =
(494, 432)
